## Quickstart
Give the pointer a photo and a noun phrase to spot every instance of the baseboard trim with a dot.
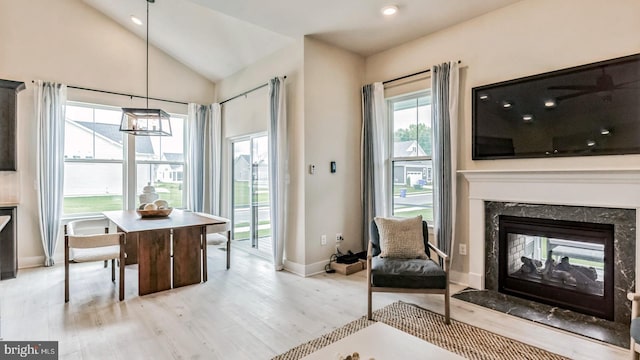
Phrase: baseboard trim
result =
(315, 268)
(294, 267)
(459, 278)
(304, 270)
(476, 281)
(31, 262)
(28, 262)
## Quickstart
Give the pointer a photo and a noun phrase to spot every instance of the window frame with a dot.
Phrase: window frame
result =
(392, 159)
(128, 162)
(134, 199)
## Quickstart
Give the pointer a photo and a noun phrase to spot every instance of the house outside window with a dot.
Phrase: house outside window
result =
(162, 163)
(95, 159)
(410, 155)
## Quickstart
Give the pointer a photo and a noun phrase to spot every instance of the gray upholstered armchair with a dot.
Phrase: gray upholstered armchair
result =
(409, 275)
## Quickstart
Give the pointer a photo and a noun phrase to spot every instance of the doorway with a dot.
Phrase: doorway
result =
(251, 220)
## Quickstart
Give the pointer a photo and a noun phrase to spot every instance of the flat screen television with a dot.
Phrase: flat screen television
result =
(586, 110)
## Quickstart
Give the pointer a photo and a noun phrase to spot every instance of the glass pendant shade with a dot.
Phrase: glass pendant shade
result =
(147, 122)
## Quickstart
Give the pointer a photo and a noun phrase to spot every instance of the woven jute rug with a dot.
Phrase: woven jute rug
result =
(460, 338)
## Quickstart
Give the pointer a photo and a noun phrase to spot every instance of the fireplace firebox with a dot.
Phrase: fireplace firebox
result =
(561, 263)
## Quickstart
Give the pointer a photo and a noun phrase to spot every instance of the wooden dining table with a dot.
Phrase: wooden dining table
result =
(170, 251)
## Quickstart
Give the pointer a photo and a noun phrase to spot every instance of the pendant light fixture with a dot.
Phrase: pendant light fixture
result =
(145, 121)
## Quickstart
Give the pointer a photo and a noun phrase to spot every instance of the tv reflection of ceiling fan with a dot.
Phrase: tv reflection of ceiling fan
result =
(604, 88)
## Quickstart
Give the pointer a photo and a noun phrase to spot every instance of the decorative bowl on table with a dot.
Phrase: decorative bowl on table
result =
(154, 213)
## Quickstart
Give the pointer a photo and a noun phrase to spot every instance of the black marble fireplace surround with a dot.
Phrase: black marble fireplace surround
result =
(614, 332)
(624, 261)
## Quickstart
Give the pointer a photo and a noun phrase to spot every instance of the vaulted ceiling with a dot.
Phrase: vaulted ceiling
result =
(217, 38)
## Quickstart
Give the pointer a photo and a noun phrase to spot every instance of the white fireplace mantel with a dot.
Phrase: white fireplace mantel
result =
(609, 188)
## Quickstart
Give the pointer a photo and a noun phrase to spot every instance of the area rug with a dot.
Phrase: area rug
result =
(460, 338)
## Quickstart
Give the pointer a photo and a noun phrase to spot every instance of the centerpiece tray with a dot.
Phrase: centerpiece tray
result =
(154, 213)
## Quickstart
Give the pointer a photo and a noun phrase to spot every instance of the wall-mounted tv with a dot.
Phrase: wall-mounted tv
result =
(591, 109)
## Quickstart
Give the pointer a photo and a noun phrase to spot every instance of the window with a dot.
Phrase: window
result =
(95, 159)
(160, 162)
(410, 155)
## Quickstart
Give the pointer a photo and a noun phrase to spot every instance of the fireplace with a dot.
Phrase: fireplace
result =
(561, 263)
(605, 196)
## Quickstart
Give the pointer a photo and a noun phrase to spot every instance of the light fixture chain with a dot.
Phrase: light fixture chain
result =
(147, 54)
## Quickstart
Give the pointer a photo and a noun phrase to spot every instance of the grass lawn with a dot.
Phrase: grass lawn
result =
(427, 213)
(241, 194)
(87, 204)
(427, 189)
(243, 235)
(173, 193)
(99, 203)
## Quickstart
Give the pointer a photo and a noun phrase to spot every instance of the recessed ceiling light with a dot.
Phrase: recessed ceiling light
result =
(591, 143)
(136, 20)
(527, 117)
(550, 103)
(389, 10)
(506, 104)
(605, 131)
(484, 97)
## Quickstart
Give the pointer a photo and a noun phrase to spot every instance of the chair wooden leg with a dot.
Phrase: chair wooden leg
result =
(447, 311)
(228, 249)
(369, 317)
(105, 263)
(113, 270)
(122, 263)
(203, 247)
(634, 354)
(66, 269)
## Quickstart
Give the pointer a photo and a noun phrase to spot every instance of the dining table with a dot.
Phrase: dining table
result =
(170, 251)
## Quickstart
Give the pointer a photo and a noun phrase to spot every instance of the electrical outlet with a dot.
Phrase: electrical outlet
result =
(463, 249)
(339, 237)
(323, 240)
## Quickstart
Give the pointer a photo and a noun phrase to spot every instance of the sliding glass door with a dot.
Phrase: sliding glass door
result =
(251, 217)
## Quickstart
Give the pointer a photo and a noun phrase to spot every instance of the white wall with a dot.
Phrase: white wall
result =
(332, 117)
(69, 42)
(529, 37)
(247, 115)
(323, 105)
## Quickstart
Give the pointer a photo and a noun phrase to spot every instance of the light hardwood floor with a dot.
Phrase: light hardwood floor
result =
(247, 312)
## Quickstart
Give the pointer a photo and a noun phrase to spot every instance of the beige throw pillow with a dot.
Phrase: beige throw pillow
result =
(401, 238)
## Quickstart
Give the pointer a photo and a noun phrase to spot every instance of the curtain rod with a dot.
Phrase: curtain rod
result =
(246, 92)
(123, 94)
(408, 76)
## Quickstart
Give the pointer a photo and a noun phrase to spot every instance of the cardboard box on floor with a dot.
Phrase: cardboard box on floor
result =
(347, 269)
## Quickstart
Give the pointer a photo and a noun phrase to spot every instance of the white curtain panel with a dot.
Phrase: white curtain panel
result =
(374, 151)
(204, 137)
(444, 117)
(278, 168)
(50, 105)
(216, 159)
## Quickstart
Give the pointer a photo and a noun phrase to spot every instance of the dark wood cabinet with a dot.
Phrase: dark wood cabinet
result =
(8, 245)
(8, 105)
